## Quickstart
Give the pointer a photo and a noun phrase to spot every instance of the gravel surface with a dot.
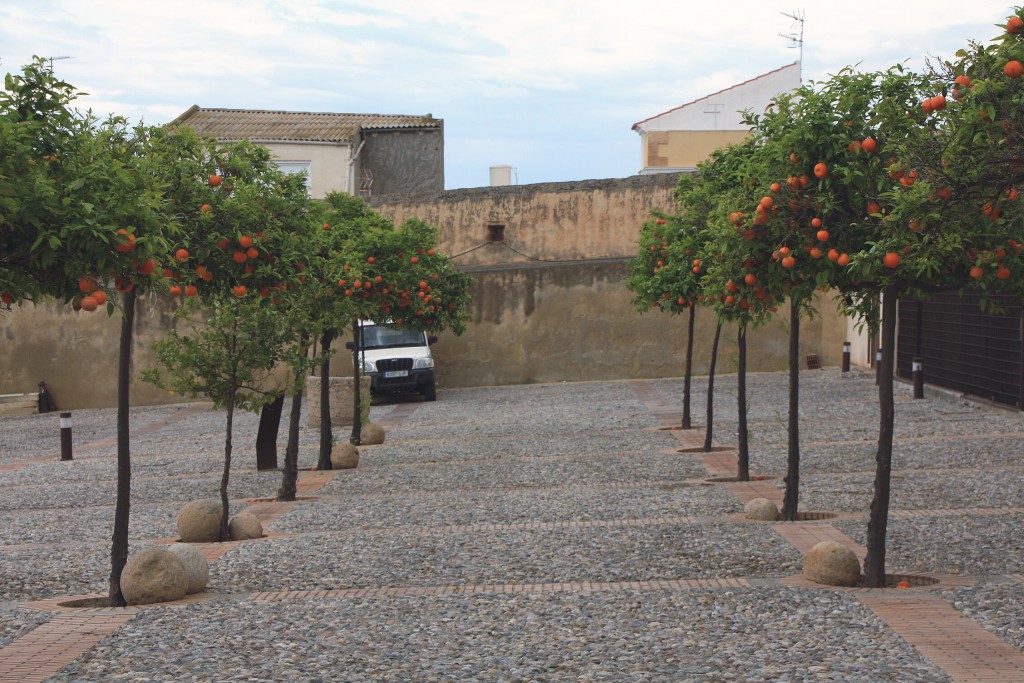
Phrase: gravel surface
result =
(709, 636)
(523, 485)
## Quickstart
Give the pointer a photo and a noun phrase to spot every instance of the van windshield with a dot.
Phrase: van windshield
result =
(378, 337)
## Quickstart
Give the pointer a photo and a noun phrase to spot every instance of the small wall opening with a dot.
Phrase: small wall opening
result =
(495, 232)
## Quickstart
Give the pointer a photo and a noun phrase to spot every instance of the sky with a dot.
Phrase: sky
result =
(551, 88)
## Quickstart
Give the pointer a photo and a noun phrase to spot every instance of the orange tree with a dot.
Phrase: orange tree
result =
(954, 220)
(820, 157)
(667, 271)
(84, 220)
(399, 277)
(245, 244)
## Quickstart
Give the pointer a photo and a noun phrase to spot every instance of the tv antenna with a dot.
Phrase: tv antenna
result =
(796, 40)
(51, 59)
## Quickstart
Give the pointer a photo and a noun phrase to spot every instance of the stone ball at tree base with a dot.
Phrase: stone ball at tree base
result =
(199, 521)
(245, 526)
(762, 509)
(197, 568)
(153, 575)
(832, 564)
(344, 456)
(371, 434)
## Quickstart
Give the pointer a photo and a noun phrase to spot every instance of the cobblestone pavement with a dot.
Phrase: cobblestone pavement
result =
(561, 532)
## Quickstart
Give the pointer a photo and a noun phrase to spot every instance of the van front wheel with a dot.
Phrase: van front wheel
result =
(430, 390)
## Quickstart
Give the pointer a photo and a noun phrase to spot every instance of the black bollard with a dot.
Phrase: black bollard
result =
(846, 356)
(918, 367)
(878, 366)
(65, 436)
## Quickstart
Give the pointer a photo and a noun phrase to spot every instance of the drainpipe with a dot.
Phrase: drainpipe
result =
(352, 189)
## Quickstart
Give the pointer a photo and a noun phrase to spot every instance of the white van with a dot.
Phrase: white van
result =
(397, 361)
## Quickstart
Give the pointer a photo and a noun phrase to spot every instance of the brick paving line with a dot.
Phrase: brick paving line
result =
(952, 642)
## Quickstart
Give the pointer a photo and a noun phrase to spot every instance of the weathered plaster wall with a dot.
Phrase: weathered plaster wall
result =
(565, 317)
(76, 353)
(547, 221)
(575, 321)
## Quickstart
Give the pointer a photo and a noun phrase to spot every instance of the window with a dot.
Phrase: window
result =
(298, 167)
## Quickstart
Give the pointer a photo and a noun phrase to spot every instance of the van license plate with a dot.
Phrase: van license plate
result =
(396, 373)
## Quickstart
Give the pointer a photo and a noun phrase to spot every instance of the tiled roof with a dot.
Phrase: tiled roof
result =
(292, 126)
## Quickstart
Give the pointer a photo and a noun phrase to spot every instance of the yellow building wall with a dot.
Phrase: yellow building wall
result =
(676, 149)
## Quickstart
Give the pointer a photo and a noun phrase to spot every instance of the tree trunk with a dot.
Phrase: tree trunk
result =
(742, 436)
(874, 563)
(357, 371)
(119, 544)
(229, 406)
(689, 371)
(290, 472)
(711, 389)
(326, 429)
(791, 497)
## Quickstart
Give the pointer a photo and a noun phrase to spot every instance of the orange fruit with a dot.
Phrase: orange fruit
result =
(240, 290)
(823, 235)
(815, 252)
(938, 103)
(191, 290)
(891, 260)
(88, 303)
(963, 79)
(174, 290)
(977, 272)
(1014, 24)
(774, 187)
(245, 241)
(252, 252)
(788, 262)
(873, 208)
(239, 256)
(903, 585)
(205, 208)
(843, 260)
(147, 266)
(815, 223)
(181, 255)
(1003, 273)
(833, 255)
(215, 180)
(869, 145)
(821, 170)
(100, 296)
(1013, 69)
(750, 279)
(87, 284)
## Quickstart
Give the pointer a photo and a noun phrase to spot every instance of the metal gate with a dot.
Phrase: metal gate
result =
(963, 348)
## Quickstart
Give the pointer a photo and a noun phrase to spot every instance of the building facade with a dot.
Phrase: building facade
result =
(361, 154)
(677, 140)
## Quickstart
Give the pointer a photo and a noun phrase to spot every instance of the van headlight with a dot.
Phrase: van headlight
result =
(369, 366)
(422, 363)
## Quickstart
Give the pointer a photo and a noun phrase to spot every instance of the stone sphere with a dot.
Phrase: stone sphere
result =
(344, 456)
(762, 509)
(199, 521)
(197, 568)
(245, 526)
(832, 564)
(153, 575)
(371, 434)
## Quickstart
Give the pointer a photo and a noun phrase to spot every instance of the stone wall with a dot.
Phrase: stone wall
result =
(576, 322)
(550, 303)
